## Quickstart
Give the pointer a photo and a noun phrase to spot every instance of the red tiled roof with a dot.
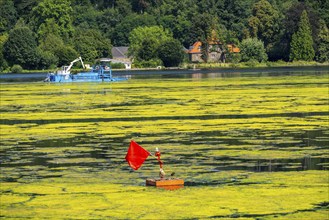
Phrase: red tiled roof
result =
(196, 47)
(233, 49)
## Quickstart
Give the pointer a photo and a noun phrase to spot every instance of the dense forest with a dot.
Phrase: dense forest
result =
(41, 34)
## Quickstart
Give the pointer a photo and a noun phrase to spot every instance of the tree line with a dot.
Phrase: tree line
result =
(41, 34)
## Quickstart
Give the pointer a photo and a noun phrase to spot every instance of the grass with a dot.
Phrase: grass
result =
(63, 148)
(256, 64)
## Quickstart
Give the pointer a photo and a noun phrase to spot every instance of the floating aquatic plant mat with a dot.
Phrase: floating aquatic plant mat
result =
(278, 195)
(247, 147)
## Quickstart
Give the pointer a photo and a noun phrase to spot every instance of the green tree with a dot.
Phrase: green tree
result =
(24, 7)
(264, 23)
(322, 54)
(176, 16)
(47, 59)
(20, 48)
(234, 16)
(148, 50)
(182, 26)
(292, 20)
(253, 49)
(86, 16)
(208, 6)
(3, 62)
(321, 7)
(155, 34)
(51, 43)
(301, 47)
(98, 4)
(91, 44)
(8, 16)
(66, 54)
(140, 6)
(50, 50)
(202, 25)
(122, 31)
(108, 21)
(123, 7)
(50, 27)
(83, 2)
(171, 53)
(58, 10)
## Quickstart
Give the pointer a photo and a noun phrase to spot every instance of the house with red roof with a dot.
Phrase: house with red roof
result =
(215, 52)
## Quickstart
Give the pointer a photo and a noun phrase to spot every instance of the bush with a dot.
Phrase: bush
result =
(20, 48)
(253, 49)
(148, 64)
(171, 53)
(16, 69)
(3, 64)
(233, 58)
(118, 66)
(252, 63)
(47, 59)
(66, 54)
(233, 65)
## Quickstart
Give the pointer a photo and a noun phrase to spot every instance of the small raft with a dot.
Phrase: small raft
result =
(166, 183)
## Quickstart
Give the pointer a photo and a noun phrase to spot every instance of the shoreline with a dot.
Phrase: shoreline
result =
(229, 72)
(201, 67)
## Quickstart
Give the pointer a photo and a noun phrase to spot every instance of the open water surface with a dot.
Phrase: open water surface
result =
(182, 73)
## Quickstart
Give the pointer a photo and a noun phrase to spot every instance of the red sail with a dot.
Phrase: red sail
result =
(136, 155)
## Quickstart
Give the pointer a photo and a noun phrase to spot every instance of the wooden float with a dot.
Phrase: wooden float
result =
(166, 183)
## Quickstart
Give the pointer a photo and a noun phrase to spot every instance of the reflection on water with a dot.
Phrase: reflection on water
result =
(183, 73)
(249, 124)
(306, 163)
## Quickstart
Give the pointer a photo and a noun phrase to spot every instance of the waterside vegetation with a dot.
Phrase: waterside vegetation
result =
(188, 66)
(254, 64)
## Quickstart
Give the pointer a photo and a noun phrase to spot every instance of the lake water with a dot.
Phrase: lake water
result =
(204, 122)
(248, 143)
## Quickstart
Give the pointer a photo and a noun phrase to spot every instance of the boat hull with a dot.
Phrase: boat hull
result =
(83, 77)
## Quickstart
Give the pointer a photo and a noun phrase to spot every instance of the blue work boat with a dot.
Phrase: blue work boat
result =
(99, 73)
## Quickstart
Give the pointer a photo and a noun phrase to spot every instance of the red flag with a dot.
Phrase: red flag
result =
(136, 155)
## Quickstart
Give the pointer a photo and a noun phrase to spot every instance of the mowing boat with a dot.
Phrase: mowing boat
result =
(99, 73)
